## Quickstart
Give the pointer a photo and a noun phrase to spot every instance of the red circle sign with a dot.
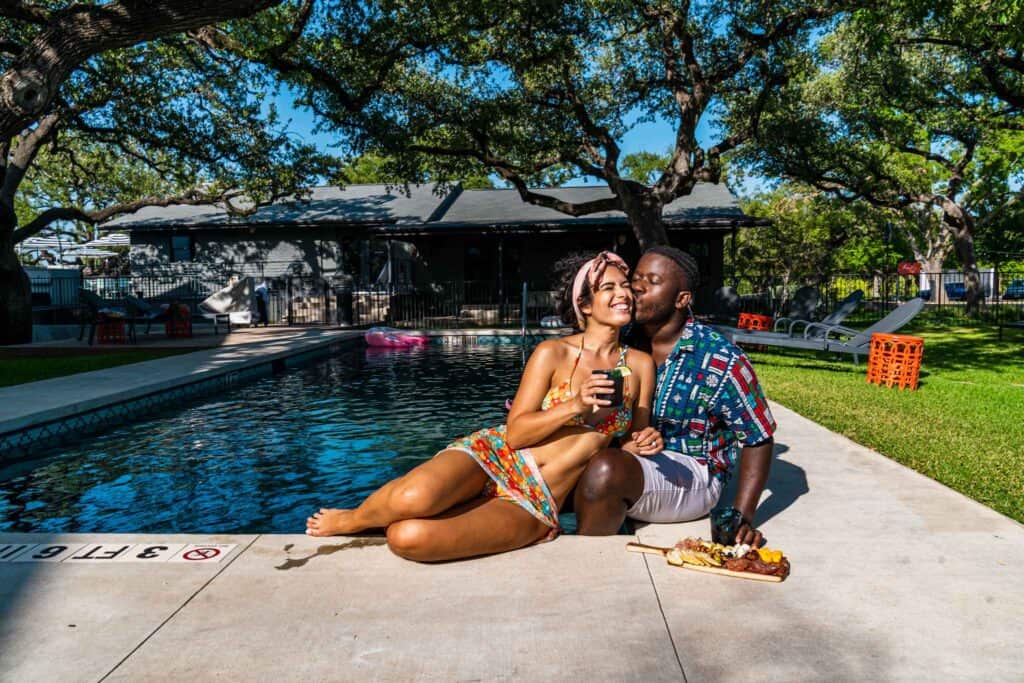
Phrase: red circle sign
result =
(201, 554)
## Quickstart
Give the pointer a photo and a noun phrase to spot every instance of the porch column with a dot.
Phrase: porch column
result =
(501, 278)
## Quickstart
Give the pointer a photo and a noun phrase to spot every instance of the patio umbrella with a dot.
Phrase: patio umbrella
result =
(55, 245)
(114, 239)
(88, 252)
(37, 243)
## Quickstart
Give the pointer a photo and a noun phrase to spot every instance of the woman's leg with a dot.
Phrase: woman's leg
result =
(449, 478)
(479, 527)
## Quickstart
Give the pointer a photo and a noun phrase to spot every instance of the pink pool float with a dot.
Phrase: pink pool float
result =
(393, 338)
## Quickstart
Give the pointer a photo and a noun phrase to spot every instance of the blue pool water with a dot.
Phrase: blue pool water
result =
(264, 456)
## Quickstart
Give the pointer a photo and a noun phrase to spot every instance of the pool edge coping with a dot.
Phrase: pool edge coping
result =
(17, 429)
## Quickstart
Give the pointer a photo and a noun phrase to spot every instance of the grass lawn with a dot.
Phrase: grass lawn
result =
(18, 370)
(964, 426)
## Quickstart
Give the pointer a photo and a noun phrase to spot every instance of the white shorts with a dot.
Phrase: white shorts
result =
(677, 488)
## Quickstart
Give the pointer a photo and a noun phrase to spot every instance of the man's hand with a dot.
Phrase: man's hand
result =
(648, 441)
(749, 535)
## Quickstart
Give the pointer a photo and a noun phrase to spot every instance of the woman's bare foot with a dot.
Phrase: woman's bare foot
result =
(330, 522)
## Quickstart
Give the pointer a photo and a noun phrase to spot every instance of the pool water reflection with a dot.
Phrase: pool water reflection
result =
(264, 456)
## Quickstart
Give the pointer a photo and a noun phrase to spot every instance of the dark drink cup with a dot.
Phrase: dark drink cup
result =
(616, 393)
(724, 525)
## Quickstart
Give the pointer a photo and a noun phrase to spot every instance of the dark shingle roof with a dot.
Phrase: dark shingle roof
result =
(505, 207)
(425, 210)
(355, 204)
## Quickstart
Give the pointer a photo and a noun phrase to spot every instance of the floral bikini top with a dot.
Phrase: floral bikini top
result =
(616, 423)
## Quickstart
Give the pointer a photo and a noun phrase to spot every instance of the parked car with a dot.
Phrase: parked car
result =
(1015, 290)
(956, 291)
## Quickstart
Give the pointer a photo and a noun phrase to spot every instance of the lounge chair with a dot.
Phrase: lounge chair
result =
(725, 306)
(802, 306)
(231, 304)
(835, 338)
(97, 310)
(142, 311)
(844, 309)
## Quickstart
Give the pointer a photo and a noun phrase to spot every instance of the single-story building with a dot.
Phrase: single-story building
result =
(484, 239)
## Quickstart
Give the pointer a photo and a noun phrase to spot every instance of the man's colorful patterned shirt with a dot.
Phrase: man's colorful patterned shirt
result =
(708, 403)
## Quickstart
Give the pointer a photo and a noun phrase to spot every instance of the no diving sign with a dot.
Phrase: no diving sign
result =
(209, 552)
(103, 553)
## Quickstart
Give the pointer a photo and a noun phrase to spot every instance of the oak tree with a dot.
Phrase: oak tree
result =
(108, 107)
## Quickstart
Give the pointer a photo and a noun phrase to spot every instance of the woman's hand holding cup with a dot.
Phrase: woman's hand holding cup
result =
(592, 394)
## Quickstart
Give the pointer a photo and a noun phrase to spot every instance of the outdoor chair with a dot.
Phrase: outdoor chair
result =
(725, 306)
(230, 304)
(844, 309)
(97, 310)
(802, 306)
(142, 311)
(835, 338)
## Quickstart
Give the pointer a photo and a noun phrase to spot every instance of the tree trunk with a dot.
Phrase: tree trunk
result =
(644, 215)
(961, 225)
(15, 288)
(931, 242)
(931, 277)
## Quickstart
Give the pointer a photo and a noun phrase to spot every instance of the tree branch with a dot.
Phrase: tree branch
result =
(1012, 97)
(92, 217)
(21, 157)
(756, 42)
(24, 11)
(599, 133)
(547, 201)
(11, 48)
(297, 29)
(77, 32)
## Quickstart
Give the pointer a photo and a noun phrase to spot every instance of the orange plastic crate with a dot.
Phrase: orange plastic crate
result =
(753, 321)
(895, 360)
(179, 323)
(110, 331)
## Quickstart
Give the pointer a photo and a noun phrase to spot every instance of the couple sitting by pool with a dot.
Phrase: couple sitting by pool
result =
(501, 488)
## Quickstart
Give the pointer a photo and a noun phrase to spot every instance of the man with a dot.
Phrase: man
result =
(708, 406)
(262, 302)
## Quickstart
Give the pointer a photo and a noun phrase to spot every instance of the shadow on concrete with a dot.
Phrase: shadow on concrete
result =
(786, 482)
(16, 579)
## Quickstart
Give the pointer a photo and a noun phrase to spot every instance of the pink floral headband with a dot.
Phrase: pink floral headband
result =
(591, 273)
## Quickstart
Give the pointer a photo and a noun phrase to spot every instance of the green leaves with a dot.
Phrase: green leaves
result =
(168, 118)
(896, 110)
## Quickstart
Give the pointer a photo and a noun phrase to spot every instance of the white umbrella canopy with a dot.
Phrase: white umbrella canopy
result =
(37, 243)
(114, 239)
(89, 252)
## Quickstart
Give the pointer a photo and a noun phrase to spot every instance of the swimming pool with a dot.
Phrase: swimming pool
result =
(262, 457)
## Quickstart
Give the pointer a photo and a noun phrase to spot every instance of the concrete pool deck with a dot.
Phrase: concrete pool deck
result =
(895, 577)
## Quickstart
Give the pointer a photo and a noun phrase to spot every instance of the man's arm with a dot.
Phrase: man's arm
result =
(755, 461)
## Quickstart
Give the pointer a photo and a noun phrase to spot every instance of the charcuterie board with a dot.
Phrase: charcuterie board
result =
(722, 571)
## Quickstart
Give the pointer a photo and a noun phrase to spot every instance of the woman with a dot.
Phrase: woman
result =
(501, 488)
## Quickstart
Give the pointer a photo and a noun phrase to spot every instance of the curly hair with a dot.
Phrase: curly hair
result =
(563, 276)
(687, 264)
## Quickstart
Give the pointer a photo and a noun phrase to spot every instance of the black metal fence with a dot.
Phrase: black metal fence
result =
(306, 299)
(945, 293)
(451, 304)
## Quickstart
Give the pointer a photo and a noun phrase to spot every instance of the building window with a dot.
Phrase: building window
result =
(181, 247)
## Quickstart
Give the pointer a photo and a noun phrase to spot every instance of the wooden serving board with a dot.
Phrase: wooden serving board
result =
(656, 550)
